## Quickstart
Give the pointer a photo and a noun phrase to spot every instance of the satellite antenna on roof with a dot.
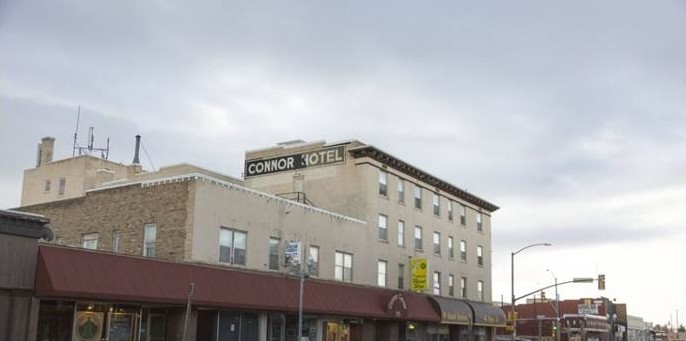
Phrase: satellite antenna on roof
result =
(104, 152)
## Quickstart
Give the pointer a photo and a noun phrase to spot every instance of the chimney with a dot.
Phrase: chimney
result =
(136, 161)
(45, 150)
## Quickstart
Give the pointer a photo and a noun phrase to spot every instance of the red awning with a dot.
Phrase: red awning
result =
(89, 275)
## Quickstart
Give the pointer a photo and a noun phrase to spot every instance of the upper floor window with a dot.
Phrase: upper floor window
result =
(63, 186)
(149, 239)
(463, 250)
(401, 276)
(401, 190)
(463, 214)
(401, 233)
(479, 226)
(451, 247)
(274, 253)
(232, 246)
(463, 287)
(383, 183)
(450, 210)
(480, 289)
(418, 238)
(451, 285)
(437, 204)
(437, 243)
(314, 260)
(383, 227)
(381, 273)
(417, 197)
(115, 240)
(343, 266)
(47, 185)
(437, 283)
(480, 255)
(90, 241)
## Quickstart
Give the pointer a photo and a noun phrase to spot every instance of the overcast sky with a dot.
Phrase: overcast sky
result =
(569, 116)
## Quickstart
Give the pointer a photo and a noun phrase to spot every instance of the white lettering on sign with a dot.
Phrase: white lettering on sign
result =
(296, 161)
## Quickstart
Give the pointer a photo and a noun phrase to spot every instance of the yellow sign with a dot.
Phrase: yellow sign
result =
(418, 266)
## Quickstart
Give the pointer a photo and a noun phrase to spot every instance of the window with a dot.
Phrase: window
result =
(463, 214)
(274, 253)
(451, 252)
(450, 210)
(437, 243)
(149, 238)
(232, 246)
(479, 227)
(115, 240)
(401, 276)
(63, 186)
(437, 204)
(451, 285)
(480, 255)
(47, 185)
(90, 241)
(401, 233)
(343, 268)
(437, 283)
(401, 190)
(463, 287)
(418, 238)
(314, 260)
(383, 183)
(417, 197)
(463, 250)
(381, 274)
(480, 288)
(383, 227)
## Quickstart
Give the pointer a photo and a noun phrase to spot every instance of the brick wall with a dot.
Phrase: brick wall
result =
(125, 209)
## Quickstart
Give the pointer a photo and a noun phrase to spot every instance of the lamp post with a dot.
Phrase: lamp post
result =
(512, 307)
(557, 308)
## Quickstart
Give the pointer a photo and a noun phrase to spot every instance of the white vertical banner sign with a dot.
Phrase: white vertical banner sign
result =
(293, 253)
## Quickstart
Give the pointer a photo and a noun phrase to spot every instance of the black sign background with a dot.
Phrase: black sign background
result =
(294, 161)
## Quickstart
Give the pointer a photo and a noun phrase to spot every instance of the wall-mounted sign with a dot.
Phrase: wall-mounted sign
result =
(88, 326)
(418, 266)
(285, 163)
(292, 251)
(588, 309)
(396, 306)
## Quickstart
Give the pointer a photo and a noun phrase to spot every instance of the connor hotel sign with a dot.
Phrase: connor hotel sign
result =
(291, 162)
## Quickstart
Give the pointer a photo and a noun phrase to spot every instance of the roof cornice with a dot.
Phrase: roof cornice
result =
(404, 167)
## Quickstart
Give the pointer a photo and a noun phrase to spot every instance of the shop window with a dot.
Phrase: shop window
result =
(401, 233)
(381, 273)
(401, 191)
(418, 238)
(149, 240)
(274, 253)
(383, 227)
(383, 183)
(417, 197)
(90, 241)
(235, 326)
(343, 267)
(232, 246)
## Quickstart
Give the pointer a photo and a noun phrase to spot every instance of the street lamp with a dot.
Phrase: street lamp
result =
(557, 308)
(512, 307)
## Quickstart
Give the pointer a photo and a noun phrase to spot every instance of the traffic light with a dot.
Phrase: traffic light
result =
(601, 282)
(543, 299)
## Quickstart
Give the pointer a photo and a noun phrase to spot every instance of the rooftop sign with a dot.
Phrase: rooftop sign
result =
(291, 162)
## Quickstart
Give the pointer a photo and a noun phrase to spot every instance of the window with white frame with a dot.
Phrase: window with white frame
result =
(480, 289)
(451, 285)
(401, 233)
(417, 197)
(149, 240)
(479, 226)
(383, 183)
(480, 255)
(343, 266)
(437, 243)
(401, 275)
(232, 246)
(274, 244)
(437, 283)
(401, 190)
(381, 273)
(314, 260)
(90, 241)
(383, 227)
(115, 241)
(463, 214)
(418, 238)
(437, 204)
(463, 287)
(451, 247)
(463, 250)
(450, 210)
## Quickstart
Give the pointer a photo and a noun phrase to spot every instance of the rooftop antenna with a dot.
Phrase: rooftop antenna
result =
(104, 152)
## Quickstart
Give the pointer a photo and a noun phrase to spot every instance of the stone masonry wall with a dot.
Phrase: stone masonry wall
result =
(125, 209)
